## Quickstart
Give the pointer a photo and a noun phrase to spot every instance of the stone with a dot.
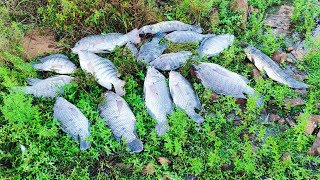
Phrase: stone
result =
(281, 21)
(255, 73)
(274, 117)
(312, 124)
(292, 102)
(315, 148)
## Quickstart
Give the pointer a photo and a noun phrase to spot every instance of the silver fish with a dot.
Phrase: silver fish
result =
(184, 96)
(72, 122)
(272, 69)
(214, 45)
(223, 81)
(168, 26)
(121, 120)
(58, 63)
(158, 100)
(186, 36)
(46, 87)
(152, 48)
(103, 70)
(105, 43)
(133, 49)
(171, 61)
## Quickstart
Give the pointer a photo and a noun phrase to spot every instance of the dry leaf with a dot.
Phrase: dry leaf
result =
(293, 102)
(163, 160)
(149, 169)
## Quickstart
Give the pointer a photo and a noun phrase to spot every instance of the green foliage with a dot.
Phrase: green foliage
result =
(231, 143)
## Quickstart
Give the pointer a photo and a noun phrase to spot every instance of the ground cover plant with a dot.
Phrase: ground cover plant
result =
(233, 142)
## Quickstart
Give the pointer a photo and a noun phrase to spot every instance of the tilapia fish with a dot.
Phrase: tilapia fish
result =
(72, 121)
(223, 81)
(157, 98)
(184, 96)
(272, 69)
(171, 61)
(103, 70)
(105, 43)
(168, 26)
(120, 120)
(186, 36)
(58, 63)
(152, 49)
(214, 45)
(46, 87)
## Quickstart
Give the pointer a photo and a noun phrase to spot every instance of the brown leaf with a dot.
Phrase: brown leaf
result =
(163, 160)
(292, 102)
(282, 121)
(277, 56)
(255, 73)
(315, 149)
(241, 101)
(274, 117)
(299, 53)
(149, 169)
(312, 124)
(214, 96)
(289, 49)
(290, 122)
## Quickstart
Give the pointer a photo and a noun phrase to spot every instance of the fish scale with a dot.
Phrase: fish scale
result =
(214, 45)
(103, 70)
(186, 36)
(152, 49)
(158, 99)
(58, 63)
(272, 69)
(46, 87)
(72, 121)
(171, 61)
(223, 81)
(184, 96)
(169, 26)
(120, 120)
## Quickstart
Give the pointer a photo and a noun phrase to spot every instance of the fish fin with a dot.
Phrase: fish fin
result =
(119, 88)
(33, 81)
(135, 146)
(162, 128)
(38, 66)
(196, 117)
(74, 137)
(297, 84)
(84, 144)
(133, 36)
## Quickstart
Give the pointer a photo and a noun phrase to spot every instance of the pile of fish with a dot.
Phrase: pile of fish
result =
(159, 98)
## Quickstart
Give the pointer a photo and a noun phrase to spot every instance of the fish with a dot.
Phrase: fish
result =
(133, 49)
(120, 119)
(186, 36)
(225, 82)
(152, 48)
(168, 26)
(214, 45)
(103, 70)
(48, 88)
(58, 63)
(184, 96)
(157, 98)
(171, 61)
(72, 121)
(105, 43)
(272, 69)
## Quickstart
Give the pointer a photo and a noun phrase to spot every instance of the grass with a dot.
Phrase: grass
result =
(219, 148)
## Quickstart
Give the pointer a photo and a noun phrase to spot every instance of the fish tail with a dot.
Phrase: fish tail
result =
(84, 144)
(133, 36)
(196, 117)
(162, 128)
(297, 84)
(119, 88)
(135, 146)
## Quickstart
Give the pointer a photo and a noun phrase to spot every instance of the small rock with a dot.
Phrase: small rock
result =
(299, 77)
(299, 53)
(241, 101)
(290, 122)
(315, 149)
(285, 156)
(303, 92)
(227, 167)
(274, 117)
(277, 56)
(281, 21)
(312, 124)
(255, 73)
(293, 102)
(214, 96)
(149, 169)
(163, 160)
(282, 121)
(289, 49)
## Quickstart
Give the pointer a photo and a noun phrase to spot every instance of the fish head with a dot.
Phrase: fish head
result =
(147, 29)
(250, 51)
(154, 75)
(77, 48)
